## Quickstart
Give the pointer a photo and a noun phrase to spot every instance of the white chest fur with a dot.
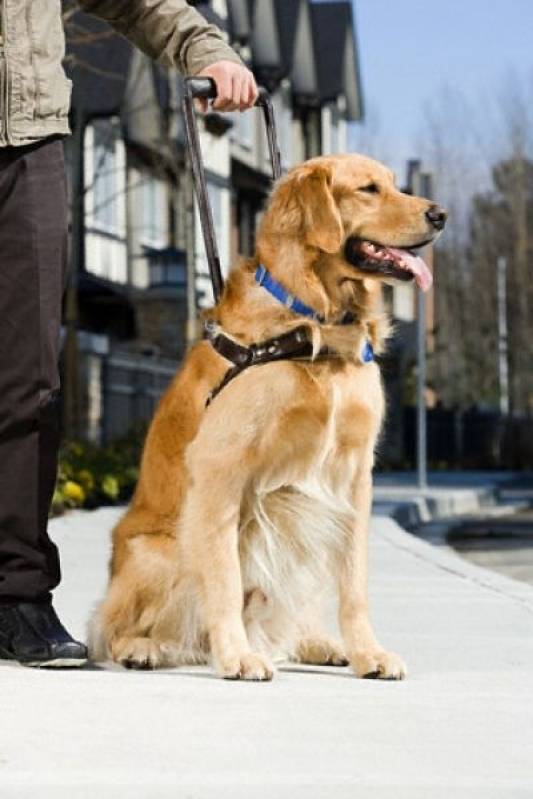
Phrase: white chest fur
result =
(294, 522)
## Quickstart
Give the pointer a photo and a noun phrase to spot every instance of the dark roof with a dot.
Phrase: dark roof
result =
(332, 24)
(286, 19)
(97, 62)
(330, 21)
(239, 23)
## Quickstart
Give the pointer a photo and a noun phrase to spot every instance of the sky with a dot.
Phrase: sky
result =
(411, 49)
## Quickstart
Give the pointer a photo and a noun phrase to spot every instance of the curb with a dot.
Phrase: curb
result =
(411, 509)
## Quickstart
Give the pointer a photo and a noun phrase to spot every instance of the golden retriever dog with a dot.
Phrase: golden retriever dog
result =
(252, 507)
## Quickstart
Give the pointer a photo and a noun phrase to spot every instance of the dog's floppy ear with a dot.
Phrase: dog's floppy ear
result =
(303, 205)
(321, 217)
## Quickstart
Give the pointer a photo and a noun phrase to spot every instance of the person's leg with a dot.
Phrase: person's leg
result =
(33, 258)
(33, 233)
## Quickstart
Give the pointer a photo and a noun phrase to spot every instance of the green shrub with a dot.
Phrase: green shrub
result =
(90, 476)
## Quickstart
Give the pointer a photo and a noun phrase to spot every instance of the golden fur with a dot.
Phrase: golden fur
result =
(247, 511)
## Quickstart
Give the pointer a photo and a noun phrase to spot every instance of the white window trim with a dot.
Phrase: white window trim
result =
(163, 241)
(117, 231)
(246, 142)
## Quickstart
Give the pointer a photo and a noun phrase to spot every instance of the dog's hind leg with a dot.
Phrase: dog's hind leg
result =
(313, 645)
(118, 631)
(144, 653)
(319, 650)
(141, 623)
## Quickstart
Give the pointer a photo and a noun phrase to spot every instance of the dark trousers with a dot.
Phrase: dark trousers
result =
(33, 260)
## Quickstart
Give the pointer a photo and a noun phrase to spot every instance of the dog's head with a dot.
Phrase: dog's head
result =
(343, 218)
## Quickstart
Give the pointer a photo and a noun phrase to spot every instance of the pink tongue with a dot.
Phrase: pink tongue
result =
(417, 267)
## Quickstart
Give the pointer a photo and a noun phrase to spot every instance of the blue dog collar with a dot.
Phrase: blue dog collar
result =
(265, 279)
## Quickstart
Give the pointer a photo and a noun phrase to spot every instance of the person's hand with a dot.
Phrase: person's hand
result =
(236, 86)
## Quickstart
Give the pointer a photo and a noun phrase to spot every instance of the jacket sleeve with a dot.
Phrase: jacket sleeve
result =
(169, 31)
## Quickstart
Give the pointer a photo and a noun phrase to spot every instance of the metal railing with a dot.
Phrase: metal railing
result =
(131, 388)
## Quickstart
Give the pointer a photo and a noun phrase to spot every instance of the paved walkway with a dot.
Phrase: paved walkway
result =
(460, 726)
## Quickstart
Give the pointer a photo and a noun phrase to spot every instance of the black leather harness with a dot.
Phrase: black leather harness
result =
(293, 345)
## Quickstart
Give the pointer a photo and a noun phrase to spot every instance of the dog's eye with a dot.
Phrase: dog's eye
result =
(372, 188)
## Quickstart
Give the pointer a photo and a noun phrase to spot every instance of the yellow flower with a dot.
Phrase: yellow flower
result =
(86, 479)
(110, 486)
(74, 492)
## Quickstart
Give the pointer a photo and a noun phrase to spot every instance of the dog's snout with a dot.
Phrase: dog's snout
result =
(437, 216)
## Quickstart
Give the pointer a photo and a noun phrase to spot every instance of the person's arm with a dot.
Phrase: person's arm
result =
(175, 34)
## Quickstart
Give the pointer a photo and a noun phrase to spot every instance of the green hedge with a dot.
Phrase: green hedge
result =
(89, 475)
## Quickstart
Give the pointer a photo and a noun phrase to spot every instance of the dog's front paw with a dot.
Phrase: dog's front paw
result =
(247, 667)
(378, 665)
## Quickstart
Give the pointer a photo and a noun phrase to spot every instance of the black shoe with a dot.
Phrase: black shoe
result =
(31, 633)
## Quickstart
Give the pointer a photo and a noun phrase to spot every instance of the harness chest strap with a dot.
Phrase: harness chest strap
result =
(293, 345)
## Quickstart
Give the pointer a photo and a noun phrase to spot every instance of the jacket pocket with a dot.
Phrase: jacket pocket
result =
(54, 97)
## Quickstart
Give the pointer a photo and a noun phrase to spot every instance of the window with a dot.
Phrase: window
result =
(220, 205)
(249, 207)
(108, 178)
(152, 218)
(105, 181)
(334, 130)
(215, 200)
(243, 128)
(283, 114)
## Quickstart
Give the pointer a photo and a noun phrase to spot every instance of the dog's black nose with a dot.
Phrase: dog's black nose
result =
(437, 216)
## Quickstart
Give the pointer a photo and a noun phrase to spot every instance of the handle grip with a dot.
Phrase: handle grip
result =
(206, 89)
(201, 88)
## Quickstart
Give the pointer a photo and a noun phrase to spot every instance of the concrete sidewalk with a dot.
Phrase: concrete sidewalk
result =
(461, 725)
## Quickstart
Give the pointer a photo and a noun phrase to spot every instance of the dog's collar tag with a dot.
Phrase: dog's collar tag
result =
(367, 354)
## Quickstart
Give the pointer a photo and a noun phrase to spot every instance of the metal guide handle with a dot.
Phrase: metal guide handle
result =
(205, 88)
